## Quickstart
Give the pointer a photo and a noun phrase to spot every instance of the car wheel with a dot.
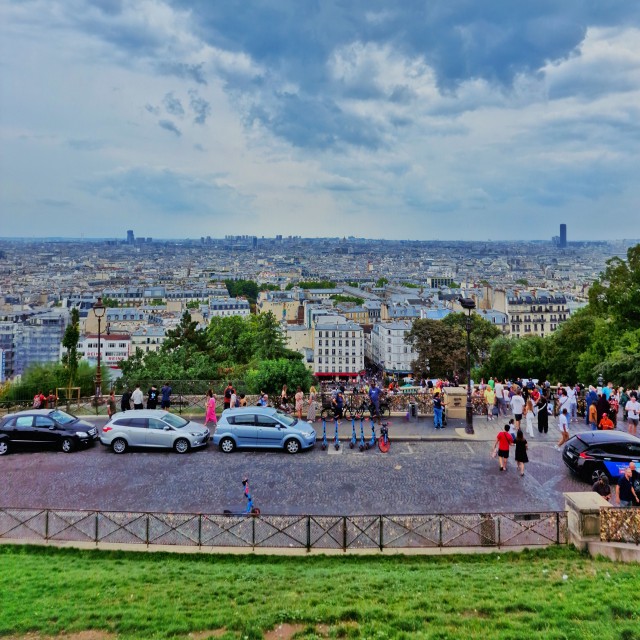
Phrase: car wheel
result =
(119, 445)
(67, 445)
(597, 474)
(227, 445)
(292, 446)
(181, 445)
(4, 447)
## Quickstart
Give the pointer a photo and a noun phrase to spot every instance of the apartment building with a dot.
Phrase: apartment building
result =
(532, 313)
(338, 348)
(113, 348)
(387, 348)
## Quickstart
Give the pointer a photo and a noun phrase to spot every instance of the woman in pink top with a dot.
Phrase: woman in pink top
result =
(211, 409)
(299, 402)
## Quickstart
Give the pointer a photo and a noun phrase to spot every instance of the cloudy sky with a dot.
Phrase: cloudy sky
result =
(438, 119)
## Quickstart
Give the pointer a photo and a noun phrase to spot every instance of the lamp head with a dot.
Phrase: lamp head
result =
(99, 309)
(467, 303)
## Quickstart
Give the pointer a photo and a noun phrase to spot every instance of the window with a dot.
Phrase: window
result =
(266, 421)
(245, 418)
(154, 423)
(24, 421)
(138, 423)
(44, 421)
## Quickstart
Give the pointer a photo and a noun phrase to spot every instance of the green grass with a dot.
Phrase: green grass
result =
(138, 595)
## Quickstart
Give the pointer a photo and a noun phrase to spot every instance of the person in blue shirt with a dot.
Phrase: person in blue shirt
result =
(374, 396)
(437, 410)
(165, 393)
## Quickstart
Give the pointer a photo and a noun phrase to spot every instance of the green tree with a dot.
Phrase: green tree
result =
(380, 282)
(70, 343)
(312, 284)
(441, 348)
(482, 334)
(243, 288)
(186, 334)
(270, 375)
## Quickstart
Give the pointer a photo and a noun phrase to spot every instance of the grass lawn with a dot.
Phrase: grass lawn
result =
(99, 595)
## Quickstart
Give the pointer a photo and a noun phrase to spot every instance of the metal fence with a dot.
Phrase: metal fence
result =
(303, 532)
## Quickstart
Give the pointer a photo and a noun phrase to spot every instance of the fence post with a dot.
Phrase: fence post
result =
(344, 533)
(499, 533)
(200, 530)
(46, 524)
(147, 529)
(440, 531)
(308, 533)
(180, 404)
(97, 525)
(253, 530)
(557, 527)
(381, 535)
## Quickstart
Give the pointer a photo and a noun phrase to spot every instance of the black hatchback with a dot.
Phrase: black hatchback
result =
(49, 427)
(594, 453)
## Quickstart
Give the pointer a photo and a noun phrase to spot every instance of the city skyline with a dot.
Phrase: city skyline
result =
(452, 121)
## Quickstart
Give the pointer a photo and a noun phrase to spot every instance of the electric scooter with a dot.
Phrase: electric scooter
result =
(336, 441)
(362, 445)
(251, 509)
(324, 444)
(354, 438)
(383, 441)
(372, 441)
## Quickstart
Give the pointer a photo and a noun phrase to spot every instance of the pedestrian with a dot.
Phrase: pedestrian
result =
(111, 404)
(633, 413)
(602, 487)
(521, 452)
(299, 398)
(125, 401)
(517, 406)
(228, 392)
(211, 409)
(311, 411)
(591, 398)
(543, 414)
(51, 400)
(602, 406)
(563, 427)
(593, 416)
(489, 399)
(137, 398)
(152, 397)
(528, 416)
(625, 493)
(234, 402)
(437, 409)
(606, 423)
(501, 446)
(242, 402)
(165, 394)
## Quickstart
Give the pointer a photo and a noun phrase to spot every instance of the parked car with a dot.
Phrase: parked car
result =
(48, 427)
(262, 428)
(154, 428)
(593, 453)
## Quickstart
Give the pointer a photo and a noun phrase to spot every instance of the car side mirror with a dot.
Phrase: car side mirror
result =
(52, 427)
(167, 428)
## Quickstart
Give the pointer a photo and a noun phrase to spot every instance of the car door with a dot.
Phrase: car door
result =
(614, 456)
(159, 433)
(137, 432)
(270, 431)
(244, 429)
(22, 430)
(45, 430)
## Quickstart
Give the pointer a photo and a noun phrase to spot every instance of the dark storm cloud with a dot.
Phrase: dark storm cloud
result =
(170, 126)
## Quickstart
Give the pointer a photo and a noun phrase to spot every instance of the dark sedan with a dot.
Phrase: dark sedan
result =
(45, 427)
(594, 453)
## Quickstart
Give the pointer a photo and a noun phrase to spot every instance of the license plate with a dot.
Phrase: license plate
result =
(570, 455)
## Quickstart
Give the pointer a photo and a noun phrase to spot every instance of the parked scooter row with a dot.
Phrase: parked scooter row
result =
(362, 444)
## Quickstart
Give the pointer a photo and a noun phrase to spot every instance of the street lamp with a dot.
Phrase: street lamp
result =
(99, 310)
(468, 304)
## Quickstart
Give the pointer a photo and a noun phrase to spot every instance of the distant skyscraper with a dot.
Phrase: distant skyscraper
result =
(130, 237)
(563, 236)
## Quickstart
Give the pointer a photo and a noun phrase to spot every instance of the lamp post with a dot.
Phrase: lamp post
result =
(99, 310)
(468, 304)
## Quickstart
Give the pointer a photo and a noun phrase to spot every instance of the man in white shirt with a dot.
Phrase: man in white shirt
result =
(573, 404)
(517, 406)
(633, 413)
(499, 391)
(137, 398)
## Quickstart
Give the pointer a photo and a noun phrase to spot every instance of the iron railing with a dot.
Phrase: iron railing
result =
(285, 531)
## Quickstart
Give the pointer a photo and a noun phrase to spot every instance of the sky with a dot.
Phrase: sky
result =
(438, 119)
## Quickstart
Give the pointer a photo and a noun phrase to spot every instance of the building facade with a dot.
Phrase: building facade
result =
(536, 314)
(388, 350)
(338, 349)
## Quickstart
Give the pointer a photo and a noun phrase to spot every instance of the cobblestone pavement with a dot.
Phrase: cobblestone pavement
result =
(450, 476)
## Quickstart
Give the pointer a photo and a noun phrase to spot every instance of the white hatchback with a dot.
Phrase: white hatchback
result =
(154, 428)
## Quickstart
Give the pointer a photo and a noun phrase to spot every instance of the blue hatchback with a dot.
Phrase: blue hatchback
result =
(262, 428)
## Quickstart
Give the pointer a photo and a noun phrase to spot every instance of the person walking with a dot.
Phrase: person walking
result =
(563, 427)
(593, 416)
(489, 400)
(501, 446)
(521, 452)
(543, 414)
(211, 409)
(299, 398)
(137, 398)
(633, 413)
(528, 416)
(625, 493)
(517, 406)
(111, 404)
(125, 401)
(311, 411)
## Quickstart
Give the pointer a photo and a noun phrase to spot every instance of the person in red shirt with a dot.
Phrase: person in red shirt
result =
(606, 422)
(502, 444)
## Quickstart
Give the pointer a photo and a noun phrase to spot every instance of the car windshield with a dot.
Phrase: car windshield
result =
(285, 419)
(61, 417)
(175, 421)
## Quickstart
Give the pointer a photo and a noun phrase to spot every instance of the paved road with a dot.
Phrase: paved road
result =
(414, 477)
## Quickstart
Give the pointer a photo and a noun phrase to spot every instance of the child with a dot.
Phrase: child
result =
(593, 416)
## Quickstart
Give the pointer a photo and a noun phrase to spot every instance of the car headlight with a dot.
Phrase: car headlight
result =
(307, 434)
(82, 434)
(195, 434)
